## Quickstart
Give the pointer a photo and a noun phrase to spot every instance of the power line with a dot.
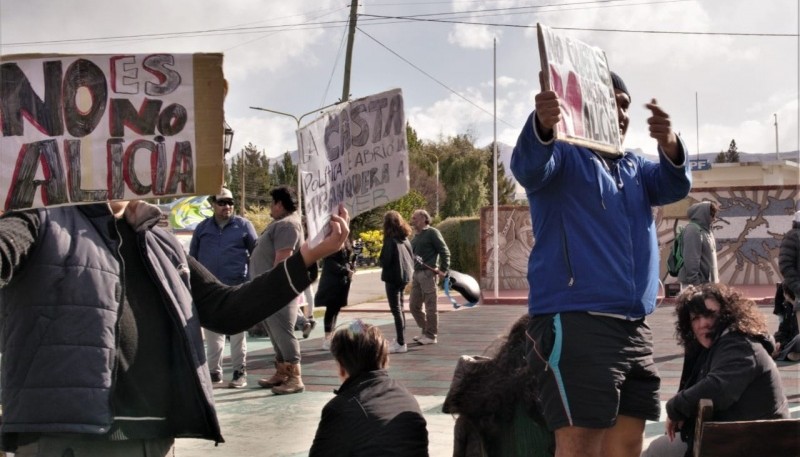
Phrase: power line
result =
(431, 77)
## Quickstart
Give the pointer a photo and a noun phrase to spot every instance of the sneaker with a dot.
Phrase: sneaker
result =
(417, 338)
(326, 344)
(239, 380)
(216, 378)
(425, 340)
(396, 348)
(308, 327)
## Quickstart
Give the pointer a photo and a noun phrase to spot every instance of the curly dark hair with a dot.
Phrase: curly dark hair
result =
(394, 226)
(490, 390)
(736, 312)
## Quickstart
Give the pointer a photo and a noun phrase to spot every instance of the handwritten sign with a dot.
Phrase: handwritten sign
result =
(579, 74)
(355, 154)
(87, 128)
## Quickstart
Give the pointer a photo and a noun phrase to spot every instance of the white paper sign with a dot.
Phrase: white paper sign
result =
(355, 154)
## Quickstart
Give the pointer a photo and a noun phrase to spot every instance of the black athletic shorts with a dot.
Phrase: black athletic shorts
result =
(592, 368)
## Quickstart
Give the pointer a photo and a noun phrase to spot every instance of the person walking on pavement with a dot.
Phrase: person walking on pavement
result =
(699, 246)
(223, 244)
(281, 238)
(595, 269)
(334, 287)
(789, 257)
(430, 251)
(397, 267)
(102, 343)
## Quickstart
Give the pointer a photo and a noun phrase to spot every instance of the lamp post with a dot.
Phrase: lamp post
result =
(297, 120)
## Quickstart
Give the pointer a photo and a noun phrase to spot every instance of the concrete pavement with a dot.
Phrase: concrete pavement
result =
(256, 422)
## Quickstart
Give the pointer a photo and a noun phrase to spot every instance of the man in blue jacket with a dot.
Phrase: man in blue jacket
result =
(223, 245)
(593, 275)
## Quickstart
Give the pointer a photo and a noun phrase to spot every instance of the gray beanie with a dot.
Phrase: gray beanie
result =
(619, 84)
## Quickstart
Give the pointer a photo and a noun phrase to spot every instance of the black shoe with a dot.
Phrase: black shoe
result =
(239, 380)
(216, 378)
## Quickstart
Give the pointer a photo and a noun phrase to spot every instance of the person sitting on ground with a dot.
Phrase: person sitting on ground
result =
(728, 361)
(495, 398)
(371, 414)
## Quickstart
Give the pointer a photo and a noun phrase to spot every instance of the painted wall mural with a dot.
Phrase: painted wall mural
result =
(748, 231)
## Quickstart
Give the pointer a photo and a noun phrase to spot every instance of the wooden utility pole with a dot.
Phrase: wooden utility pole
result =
(351, 34)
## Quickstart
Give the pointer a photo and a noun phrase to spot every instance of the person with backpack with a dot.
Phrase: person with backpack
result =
(699, 248)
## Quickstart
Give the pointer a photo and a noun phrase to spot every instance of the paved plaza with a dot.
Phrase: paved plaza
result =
(256, 422)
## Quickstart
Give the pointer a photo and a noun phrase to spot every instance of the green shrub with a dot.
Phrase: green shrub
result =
(462, 235)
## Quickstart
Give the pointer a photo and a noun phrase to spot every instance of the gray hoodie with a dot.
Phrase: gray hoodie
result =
(699, 247)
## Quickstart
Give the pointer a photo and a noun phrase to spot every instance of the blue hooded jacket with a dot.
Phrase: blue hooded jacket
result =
(596, 246)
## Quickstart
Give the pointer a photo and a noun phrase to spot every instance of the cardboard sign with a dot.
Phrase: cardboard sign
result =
(579, 74)
(88, 128)
(355, 154)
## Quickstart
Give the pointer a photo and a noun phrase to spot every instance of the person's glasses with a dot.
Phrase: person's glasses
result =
(224, 202)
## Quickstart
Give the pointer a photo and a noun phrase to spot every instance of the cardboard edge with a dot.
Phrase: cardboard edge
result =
(209, 122)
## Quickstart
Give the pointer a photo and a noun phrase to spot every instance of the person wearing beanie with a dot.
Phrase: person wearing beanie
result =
(594, 271)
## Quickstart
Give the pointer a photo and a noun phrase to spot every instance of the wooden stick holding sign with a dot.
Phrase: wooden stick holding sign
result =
(88, 128)
(579, 74)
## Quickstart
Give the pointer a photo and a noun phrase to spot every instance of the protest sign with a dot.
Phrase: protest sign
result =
(88, 128)
(579, 74)
(355, 154)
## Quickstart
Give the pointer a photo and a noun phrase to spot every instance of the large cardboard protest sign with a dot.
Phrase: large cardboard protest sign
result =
(85, 128)
(579, 74)
(355, 154)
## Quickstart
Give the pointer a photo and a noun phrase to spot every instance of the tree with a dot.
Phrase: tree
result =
(729, 156)
(505, 185)
(461, 167)
(257, 180)
(285, 172)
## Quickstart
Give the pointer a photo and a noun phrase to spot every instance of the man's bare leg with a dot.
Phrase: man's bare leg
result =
(579, 442)
(625, 438)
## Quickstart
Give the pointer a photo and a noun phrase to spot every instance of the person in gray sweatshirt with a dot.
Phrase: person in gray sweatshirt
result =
(699, 246)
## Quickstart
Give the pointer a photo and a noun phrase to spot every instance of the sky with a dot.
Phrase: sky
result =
(722, 69)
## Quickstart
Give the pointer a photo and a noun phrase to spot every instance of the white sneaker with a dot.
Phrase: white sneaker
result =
(326, 344)
(395, 348)
(425, 340)
(417, 338)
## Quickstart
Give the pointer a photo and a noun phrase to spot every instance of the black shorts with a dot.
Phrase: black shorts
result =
(592, 368)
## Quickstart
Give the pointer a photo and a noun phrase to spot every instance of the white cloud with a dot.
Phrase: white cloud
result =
(472, 36)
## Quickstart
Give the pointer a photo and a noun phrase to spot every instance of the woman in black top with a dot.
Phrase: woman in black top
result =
(397, 261)
(334, 287)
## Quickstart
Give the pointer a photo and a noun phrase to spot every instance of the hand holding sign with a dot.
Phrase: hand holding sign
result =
(336, 232)
(661, 130)
(548, 111)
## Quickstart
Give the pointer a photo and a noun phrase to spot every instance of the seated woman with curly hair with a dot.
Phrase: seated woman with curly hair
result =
(727, 359)
(495, 399)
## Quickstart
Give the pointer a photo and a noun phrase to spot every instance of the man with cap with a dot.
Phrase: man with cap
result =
(223, 245)
(593, 274)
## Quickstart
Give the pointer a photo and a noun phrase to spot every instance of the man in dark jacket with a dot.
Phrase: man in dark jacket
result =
(789, 257)
(372, 414)
(101, 313)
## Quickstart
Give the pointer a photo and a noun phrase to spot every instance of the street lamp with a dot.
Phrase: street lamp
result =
(297, 120)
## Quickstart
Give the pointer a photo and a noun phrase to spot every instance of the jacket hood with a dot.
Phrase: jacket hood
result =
(700, 214)
(764, 339)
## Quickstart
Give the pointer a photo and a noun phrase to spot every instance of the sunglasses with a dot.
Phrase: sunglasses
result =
(224, 202)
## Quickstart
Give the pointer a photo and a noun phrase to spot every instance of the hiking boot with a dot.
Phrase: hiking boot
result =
(293, 384)
(276, 379)
(425, 340)
(395, 348)
(239, 380)
(216, 378)
(308, 327)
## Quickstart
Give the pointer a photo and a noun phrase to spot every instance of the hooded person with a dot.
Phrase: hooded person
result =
(699, 246)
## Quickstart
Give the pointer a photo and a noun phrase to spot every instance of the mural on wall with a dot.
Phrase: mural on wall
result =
(748, 231)
(515, 242)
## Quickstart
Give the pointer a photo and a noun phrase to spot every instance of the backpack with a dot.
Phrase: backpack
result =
(675, 259)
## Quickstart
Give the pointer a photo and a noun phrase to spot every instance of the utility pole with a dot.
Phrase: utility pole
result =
(777, 154)
(348, 60)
